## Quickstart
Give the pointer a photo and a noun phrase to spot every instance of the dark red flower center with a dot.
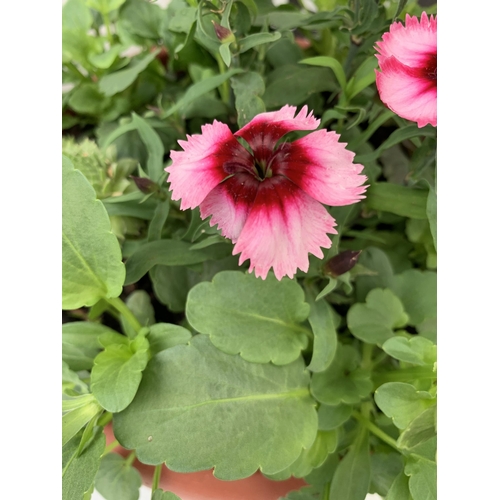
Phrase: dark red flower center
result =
(429, 69)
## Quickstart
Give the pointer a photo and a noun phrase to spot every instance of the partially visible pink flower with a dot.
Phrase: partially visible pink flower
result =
(268, 201)
(407, 80)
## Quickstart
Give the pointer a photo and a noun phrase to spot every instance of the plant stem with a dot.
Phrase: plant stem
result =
(130, 459)
(105, 18)
(156, 478)
(110, 447)
(366, 361)
(224, 88)
(122, 308)
(375, 430)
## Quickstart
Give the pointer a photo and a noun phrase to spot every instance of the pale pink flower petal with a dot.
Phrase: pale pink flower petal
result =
(407, 81)
(266, 129)
(406, 93)
(283, 226)
(229, 204)
(321, 166)
(207, 159)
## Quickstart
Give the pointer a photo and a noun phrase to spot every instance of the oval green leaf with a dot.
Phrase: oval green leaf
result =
(198, 408)
(92, 266)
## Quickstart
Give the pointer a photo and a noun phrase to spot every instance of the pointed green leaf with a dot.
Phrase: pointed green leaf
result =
(251, 41)
(78, 472)
(164, 495)
(328, 62)
(322, 322)
(92, 266)
(75, 419)
(342, 381)
(385, 468)
(169, 253)
(417, 350)
(375, 321)
(432, 213)
(261, 322)
(351, 480)
(419, 430)
(104, 6)
(117, 373)
(76, 15)
(139, 302)
(402, 402)
(117, 81)
(117, 480)
(193, 421)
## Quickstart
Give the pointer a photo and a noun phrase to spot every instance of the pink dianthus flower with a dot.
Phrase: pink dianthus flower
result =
(268, 201)
(407, 80)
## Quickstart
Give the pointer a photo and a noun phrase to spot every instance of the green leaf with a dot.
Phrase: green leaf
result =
(421, 429)
(375, 260)
(200, 88)
(117, 373)
(71, 381)
(104, 6)
(332, 283)
(164, 336)
(331, 417)
(248, 87)
(225, 53)
(251, 41)
(293, 84)
(362, 78)
(322, 322)
(193, 421)
(139, 303)
(402, 402)
(261, 322)
(159, 494)
(132, 205)
(153, 145)
(351, 480)
(169, 253)
(399, 489)
(76, 15)
(328, 62)
(399, 200)
(92, 266)
(418, 293)
(80, 343)
(431, 210)
(142, 19)
(343, 381)
(78, 472)
(306, 493)
(423, 479)
(401, 6)
(417, 350)
(75, 419)
(106, 59)
(311, 458)
(374, 321)
(399, 135)
(385, 468)
(117, 480)
(119, 80)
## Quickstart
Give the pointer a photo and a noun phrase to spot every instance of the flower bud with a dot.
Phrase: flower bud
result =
(341, 263)
(145, 185)
(223, 34)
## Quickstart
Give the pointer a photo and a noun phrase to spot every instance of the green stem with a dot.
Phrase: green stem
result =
(122, 308)
(110, 447)
(105, 418)
(326, 491)
(130, 459)
(156, 478)
(224, 88)
(366, 361)
(376, 431)
(105, 18)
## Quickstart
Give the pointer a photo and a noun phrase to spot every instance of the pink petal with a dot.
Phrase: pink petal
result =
(407, 92)
(409, 44)
(283, 226)
(229, 204)
(321, 166)
(207, 159)
(266, 129)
